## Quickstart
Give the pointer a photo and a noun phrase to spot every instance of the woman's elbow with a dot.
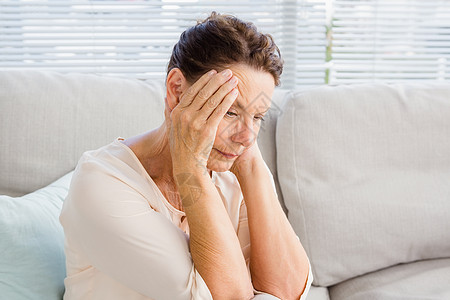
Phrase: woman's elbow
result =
(286, 291)
(226, 294)
(240, 289)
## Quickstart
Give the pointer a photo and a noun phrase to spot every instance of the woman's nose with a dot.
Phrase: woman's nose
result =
(245, 134)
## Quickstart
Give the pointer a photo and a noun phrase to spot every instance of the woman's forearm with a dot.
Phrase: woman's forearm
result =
(278, 262)
(214, 245)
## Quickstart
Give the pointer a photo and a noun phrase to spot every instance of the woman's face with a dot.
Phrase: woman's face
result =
(240, 126)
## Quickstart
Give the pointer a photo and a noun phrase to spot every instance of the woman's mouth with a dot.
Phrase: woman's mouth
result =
(227, 155)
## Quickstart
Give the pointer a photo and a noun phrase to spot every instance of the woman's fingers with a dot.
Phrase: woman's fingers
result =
(187, 97)
(213, 102)
(221, 109)
(207, 93)
(201, 108)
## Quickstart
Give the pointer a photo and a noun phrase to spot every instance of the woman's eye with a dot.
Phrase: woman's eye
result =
(231, 114)
(259, 118)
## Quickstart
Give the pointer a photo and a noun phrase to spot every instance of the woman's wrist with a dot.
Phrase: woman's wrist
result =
(193, 184)
(247, 169)
(188, 166)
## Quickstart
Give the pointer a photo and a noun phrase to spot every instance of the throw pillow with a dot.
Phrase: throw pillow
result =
(32, 260)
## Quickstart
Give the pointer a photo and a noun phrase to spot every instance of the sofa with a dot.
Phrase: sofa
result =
(362, 172)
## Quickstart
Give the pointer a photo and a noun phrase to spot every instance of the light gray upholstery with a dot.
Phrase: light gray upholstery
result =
(318, 293)
(426, 279)
(365, 175)
(363, 170)
(47, 120)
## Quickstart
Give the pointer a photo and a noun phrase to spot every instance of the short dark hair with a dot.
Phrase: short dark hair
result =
(221, 41)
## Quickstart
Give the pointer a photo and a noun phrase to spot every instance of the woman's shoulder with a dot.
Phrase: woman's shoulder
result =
(110, 174)
(110, 165)
(113, 157)
(114, 149)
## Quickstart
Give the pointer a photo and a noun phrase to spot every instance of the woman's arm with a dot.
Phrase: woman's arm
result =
(192, 128)
(214, 245)
(278, 262)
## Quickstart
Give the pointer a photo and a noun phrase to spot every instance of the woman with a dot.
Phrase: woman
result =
(171, 213)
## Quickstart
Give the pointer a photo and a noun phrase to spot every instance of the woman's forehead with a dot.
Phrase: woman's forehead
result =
(259, 105)
(255, 89)
(248, 75)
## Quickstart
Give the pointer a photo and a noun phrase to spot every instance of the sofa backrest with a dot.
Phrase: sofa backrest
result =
(365, 175)
(48, 119)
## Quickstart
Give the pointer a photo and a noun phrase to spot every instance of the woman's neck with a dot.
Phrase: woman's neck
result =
(152, 150)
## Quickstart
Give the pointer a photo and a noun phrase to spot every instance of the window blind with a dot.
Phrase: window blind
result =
(390, 40)
(135, 38)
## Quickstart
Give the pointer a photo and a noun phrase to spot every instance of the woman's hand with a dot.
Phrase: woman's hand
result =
(243, 165)
(193, 122)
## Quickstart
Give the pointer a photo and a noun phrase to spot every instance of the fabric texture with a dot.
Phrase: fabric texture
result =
(426, 279)
(49, 119)
(124, 240)
(318, 293)
(364, 172)
(32, 261)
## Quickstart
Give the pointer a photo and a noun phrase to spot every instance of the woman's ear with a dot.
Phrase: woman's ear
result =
(176, 83)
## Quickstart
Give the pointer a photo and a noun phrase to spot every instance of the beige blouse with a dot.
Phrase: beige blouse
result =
(124, 240)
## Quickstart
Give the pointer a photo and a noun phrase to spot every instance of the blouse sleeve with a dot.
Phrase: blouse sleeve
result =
(122, 236)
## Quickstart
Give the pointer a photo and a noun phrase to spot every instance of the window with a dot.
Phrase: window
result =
(321, 41)
(135, 38)
(390, 40)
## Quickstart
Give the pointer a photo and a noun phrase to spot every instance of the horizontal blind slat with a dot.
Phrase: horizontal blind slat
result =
(390, 40)
(136, 38)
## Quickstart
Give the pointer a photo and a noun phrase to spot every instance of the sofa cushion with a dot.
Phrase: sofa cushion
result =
(364, 171)
(318, 293)
(47, 120)
(32, 260)
(428, 279)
